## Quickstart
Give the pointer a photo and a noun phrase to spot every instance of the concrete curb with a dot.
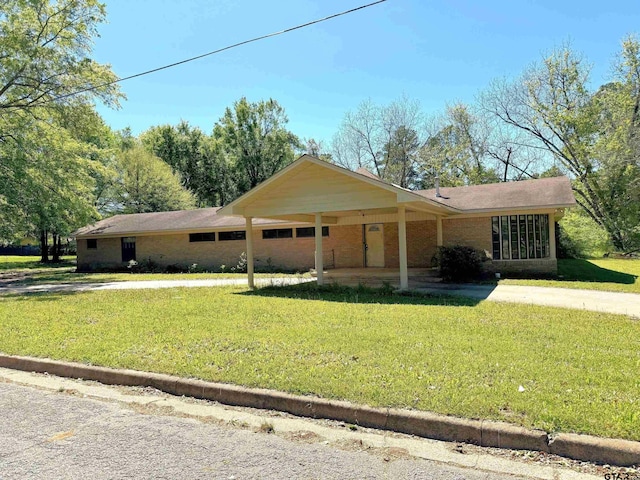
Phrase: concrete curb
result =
(423, 424)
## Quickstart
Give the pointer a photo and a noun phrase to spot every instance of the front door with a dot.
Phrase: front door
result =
(128, 248)
(374, 245)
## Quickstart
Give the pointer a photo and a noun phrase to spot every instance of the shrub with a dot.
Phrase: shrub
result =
(460, 263)
(580, 237)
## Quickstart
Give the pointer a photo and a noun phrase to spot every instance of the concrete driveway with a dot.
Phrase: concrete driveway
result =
(594, 300)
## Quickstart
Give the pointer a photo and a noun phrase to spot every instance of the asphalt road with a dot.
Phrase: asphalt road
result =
(53, 435)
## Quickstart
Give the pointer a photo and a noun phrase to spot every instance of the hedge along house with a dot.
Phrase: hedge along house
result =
(316, 214)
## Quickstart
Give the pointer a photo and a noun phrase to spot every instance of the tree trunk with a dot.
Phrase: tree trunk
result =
(56, 249)
(44, 247)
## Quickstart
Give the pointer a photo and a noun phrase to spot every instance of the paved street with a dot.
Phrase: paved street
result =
(52, 434)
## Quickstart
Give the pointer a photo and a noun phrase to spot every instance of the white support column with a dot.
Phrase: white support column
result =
(552, 235)
(402, 243)
(249, 238)
(319, 264)
(439, 241)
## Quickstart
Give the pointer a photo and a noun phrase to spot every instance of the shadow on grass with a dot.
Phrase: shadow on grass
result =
(344, 294)
(40, 296)
(34, 265)
(584, 271)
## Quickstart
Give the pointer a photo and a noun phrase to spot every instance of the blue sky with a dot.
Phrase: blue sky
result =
(437, 52)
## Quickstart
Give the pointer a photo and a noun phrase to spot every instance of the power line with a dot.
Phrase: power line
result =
(229, 47)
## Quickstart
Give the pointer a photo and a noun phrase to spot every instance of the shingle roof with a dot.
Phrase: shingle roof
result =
(192, 220)
(529, 194)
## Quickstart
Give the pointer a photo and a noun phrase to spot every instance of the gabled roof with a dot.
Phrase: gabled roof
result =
(202, 219)
(235, 207)
(525, 194)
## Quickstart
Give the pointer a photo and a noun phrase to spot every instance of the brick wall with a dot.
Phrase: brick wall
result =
(107, 254)
(474, 232)
(342, 249)
(421, 244)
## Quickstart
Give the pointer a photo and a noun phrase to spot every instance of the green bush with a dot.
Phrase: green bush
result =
(580, 237)
(460, 263)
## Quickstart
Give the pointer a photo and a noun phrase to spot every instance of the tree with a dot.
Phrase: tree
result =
(189, 152)
(317, 149)
(252, 142)
(48, 83)
(44, 55)
(457, 150)
(147, 184)
(384, 140)
(590, 136)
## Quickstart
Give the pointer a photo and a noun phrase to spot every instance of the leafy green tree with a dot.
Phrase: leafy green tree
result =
(399, 155)
(183, 148)
(590, 136)
(252, 142)
(147, 184)
(456, 151)
(47, 156)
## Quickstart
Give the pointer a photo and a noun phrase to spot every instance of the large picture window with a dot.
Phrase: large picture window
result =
(518, 237)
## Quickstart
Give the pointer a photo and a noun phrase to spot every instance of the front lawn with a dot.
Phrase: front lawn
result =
(579, 370)
(615, 275)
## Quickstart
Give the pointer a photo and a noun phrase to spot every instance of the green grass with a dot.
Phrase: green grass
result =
(29, 271)
(616, 275)
(452, 356)
(20, 263)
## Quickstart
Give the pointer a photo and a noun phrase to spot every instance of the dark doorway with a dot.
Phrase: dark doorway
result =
(128, 248)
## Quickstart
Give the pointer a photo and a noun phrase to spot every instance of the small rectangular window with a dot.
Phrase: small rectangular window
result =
(277, 233)
(92, 244)
(234, 235)
(202, 237)
(303, 232)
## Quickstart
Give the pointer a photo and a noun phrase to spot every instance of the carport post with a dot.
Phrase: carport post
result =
(402, 243)
(249, 238)
(319, 265)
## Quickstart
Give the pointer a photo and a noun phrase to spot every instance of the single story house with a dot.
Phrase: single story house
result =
(313, 214)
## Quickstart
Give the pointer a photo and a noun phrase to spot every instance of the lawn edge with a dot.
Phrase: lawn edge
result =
(485, 433)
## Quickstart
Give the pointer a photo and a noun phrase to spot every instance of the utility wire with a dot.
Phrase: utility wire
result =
(229, 47)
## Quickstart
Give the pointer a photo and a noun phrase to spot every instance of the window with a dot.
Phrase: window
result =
(92, 244)
(310, 232)
(128, 248)
(202, 237)
(278, 233)
(520, 237)
(235, 235)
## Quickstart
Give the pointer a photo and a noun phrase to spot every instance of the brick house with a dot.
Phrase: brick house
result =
(353, 218)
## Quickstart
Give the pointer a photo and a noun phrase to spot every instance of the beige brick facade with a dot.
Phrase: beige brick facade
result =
(343, 248)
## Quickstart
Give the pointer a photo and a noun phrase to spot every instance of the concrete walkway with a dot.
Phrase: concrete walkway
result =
(594, 300)
(149, 284)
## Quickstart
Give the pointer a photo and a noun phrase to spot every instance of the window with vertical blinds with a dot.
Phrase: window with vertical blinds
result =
(520, 237)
